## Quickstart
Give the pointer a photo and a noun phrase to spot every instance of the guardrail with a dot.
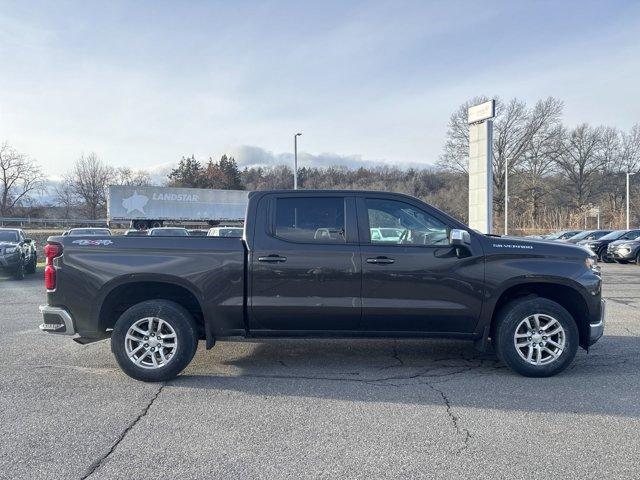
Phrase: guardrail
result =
(44, 222)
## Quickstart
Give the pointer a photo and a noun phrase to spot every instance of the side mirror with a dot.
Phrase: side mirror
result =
(459, 238)
(28, 240)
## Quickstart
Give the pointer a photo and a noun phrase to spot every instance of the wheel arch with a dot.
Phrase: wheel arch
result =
(119, 295)
(568, 296)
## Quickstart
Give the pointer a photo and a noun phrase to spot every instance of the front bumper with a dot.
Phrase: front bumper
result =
(10, 260)
(623, 253)
(596, 330)
(56, 320)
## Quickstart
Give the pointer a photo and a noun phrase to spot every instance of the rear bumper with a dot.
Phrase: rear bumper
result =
(596, 330)
(56, 320)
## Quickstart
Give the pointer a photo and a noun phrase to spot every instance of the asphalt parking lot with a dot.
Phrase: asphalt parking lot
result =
(318, 409)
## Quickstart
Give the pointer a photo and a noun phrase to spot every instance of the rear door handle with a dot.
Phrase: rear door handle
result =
(380, 260)
(272, 259)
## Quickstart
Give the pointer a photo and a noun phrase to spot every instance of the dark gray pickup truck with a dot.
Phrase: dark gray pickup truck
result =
(325, 264)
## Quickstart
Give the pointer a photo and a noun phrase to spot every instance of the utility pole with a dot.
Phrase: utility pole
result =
(295, 160)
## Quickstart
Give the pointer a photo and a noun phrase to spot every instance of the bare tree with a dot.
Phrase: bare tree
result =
(88, 181)
(515, 127)
(455, 157)
(580, 162)
(65, 197)
(128, 176)
(20, 177)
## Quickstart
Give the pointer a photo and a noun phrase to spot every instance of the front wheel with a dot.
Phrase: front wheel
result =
(604, 256)
(536, 337)
(33, 264)
(19, 272)
(154, 340)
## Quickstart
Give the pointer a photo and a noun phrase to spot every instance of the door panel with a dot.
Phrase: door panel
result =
(305, 270)
(410, 284)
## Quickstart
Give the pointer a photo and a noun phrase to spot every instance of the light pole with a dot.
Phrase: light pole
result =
(295, 160)
(628, 175)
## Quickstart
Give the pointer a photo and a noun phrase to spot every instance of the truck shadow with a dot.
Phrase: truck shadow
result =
(420, 372)
(29, 278)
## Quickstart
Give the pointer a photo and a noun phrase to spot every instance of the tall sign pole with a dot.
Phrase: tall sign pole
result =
(295, 160)
(480, 119)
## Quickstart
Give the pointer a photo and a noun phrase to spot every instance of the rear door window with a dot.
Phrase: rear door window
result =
(311, 219)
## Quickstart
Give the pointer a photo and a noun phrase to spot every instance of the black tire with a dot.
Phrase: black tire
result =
(32, 265)
(622, 262)
(512, 314)
(18, 273)
(603, 257)
(156, 224)
(140, 225)
(186, 335)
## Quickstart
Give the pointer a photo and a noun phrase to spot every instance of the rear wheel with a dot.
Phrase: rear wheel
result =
(536, 337)
(154, 340)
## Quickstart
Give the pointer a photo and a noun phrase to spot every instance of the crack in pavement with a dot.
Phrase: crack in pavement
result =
(100, 461)
(455, 420)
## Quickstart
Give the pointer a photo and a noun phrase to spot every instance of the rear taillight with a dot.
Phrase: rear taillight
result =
(51, 251)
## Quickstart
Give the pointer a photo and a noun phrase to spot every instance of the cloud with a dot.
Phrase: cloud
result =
(253, 156)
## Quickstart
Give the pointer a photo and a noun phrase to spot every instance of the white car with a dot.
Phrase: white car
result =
(225, 232)
(168, 232)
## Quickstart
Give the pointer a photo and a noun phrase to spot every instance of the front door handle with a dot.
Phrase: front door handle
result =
(272, 259)
(380, 260)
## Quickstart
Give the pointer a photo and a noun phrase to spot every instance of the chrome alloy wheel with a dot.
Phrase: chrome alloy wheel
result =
(539, 339)
(151, 343)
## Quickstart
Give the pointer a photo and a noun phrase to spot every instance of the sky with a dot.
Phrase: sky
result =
(142, 83)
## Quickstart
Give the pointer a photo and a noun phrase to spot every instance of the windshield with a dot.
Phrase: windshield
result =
(581, 235)
(8, 236)
(631, 235)
(169, 232)
(89, 231)
(613, 235)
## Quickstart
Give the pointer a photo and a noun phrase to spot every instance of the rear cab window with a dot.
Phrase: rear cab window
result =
(310, 219)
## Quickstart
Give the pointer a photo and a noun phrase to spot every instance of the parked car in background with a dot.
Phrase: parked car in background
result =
(587, 235)
(562, 235)
(168, 232)
(225, 232)
(18, 253)
(198, 233)
(599, 246)
(625, 251)
(386, 234)
(84, 232)
(135, 233)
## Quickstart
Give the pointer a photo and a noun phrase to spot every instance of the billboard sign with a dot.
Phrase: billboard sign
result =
(169, 203)
(480, 166)
(479, 113)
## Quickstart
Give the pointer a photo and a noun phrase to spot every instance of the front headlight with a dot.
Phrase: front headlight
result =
(11, 250)
(592, 264)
